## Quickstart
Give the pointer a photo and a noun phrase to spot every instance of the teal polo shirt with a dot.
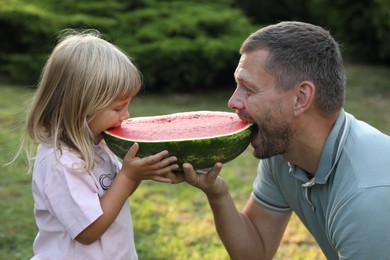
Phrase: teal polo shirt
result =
(346, 206)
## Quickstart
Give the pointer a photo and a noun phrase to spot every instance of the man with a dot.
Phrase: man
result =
(315, 159)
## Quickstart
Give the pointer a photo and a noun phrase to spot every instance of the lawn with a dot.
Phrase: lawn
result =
(172, 221)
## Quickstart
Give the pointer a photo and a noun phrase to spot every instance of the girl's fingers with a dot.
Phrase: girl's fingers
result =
(132, 151)
(170, 160)
(166, 170)
(156, 157)
(162, 179)
(161, 162)
(177, 177)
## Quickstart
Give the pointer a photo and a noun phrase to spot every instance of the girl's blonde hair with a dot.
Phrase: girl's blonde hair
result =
(83, 75)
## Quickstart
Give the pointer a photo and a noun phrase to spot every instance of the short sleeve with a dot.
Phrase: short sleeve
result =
(360, 228)
(73, 198)
(265, 188)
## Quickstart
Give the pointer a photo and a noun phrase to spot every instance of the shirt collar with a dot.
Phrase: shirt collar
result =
(333, 147)
(330, 153)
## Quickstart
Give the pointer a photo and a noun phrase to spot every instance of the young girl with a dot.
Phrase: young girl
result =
(80, 189)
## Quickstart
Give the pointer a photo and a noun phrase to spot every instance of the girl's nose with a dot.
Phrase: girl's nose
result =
(124, 116)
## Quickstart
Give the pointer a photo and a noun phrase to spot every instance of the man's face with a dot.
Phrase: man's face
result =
(256, 100)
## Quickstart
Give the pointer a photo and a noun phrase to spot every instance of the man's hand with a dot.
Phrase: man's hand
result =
(207, 180)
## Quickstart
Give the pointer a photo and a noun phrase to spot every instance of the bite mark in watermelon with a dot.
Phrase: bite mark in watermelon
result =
(201, 138)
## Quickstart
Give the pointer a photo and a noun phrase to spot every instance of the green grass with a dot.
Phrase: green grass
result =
(172, 221)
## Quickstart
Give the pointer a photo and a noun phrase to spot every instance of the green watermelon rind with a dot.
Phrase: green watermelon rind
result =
(200, 152)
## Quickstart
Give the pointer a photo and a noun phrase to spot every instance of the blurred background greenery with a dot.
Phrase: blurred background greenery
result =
(181, 45)
(187, 51)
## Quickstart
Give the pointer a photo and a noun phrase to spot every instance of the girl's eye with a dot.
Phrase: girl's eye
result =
(118, 109)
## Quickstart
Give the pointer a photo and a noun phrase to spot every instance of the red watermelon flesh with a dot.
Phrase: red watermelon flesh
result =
(180, 126)
(201, 138)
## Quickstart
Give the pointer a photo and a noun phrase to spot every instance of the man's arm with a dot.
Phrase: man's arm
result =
(254, 233)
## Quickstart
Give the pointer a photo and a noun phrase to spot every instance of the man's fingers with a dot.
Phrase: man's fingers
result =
(190, 174)
(213, 174)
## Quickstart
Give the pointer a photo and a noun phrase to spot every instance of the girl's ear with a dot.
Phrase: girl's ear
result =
(304, 97)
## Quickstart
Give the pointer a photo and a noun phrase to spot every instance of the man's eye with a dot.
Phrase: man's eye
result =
(247, 90)
(250, 91)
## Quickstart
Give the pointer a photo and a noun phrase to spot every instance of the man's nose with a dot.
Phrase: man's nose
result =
(235, 101)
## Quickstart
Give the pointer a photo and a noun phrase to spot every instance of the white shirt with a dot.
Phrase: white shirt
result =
(67, 201)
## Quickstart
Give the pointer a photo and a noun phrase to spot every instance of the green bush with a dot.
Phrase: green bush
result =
(361, 26)
(23, 41)
(181, 46)
(381, 23)
(178, 45)
(29, 32)
(272, 11)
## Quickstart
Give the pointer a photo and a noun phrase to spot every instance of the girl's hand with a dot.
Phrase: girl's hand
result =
(154, 167)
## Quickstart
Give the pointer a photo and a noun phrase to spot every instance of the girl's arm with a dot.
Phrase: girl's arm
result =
(111, 202)
(133, 171)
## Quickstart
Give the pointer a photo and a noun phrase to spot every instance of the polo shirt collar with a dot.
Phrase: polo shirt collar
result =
(330, 155)
(333, 147)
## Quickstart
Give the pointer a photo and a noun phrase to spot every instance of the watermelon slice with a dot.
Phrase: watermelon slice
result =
(201, 138)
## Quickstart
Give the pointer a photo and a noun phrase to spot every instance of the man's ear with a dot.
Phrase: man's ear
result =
(304, 97)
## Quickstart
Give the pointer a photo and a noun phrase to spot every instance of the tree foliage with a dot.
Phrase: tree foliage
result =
(361, 26)
(184, 46)
(178, 45)
(181, 45)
